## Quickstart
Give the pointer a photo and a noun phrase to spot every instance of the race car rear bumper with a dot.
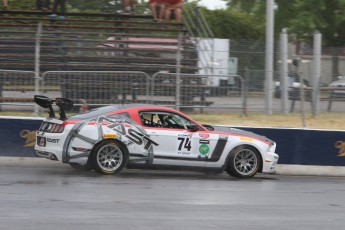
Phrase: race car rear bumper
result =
(48, 155)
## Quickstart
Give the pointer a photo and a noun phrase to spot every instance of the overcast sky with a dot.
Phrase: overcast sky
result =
(213, 4)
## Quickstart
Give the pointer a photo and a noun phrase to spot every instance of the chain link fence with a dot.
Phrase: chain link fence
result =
(17, 88)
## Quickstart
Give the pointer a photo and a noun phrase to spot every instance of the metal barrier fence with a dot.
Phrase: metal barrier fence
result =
(101, 87)
(17, 88)
(188, 91)
(96, 88)
(331, 97)
(191, 93)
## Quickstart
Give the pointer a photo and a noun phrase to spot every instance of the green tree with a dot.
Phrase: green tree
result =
(303, 18)
(243, 29)
(233, 24)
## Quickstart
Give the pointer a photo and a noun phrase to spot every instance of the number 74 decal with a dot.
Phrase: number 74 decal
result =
(185, 144)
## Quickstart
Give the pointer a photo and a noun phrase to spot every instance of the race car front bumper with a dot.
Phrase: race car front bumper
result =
(270, 161)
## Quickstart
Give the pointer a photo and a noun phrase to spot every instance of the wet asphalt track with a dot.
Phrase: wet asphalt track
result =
(41, 197)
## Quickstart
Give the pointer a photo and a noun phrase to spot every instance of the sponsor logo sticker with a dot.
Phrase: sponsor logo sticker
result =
(183, 135)
(203, 149)
(223, 137)
(109, 135)
(204, 141)
(246, 139)
(137, 137)
(51, 140)
(204, 135)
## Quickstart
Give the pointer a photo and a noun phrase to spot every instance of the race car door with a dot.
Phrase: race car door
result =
(177, 144)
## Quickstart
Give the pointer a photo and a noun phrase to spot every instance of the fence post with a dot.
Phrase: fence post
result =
(244, 92)
(284, 71)
(37, 65)
(316, 72)
(301, 87)
(178, 71)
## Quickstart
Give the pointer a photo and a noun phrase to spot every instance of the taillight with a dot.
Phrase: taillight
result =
(48, 127)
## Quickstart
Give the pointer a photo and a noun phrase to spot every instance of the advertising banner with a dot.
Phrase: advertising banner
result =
(304, 146)
(17, 136)
(294, 146)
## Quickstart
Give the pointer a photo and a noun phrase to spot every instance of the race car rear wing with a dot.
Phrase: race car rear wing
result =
(63, 103)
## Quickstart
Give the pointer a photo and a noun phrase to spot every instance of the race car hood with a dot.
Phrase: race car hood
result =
(242, 133)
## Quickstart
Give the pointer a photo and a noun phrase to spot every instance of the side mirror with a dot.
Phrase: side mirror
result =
(208, 127)
(192, 128)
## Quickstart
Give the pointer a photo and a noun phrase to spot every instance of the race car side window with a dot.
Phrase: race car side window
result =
(176, 121)
(164, 119)
(149, 119)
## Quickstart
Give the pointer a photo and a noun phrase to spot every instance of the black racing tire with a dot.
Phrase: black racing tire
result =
(76, 166)
(243, 162)
(109, 157)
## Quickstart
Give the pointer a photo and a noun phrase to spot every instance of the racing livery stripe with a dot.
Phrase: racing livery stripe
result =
(246, 134)
(65, 155)
(72, 134)
(218, 150)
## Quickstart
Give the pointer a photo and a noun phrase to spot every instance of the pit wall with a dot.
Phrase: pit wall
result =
(294, 146)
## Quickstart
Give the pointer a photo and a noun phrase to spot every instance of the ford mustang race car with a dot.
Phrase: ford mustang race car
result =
(111, 138)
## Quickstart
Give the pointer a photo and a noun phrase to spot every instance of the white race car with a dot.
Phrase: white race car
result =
(111, 138)
(339, 87)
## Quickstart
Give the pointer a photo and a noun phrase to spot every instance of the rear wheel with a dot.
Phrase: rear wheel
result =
(109, 158)
(244, 162)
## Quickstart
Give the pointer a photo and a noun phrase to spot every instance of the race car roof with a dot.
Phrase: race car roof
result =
(105, 109)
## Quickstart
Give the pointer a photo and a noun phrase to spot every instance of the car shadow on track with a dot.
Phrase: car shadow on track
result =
(168, 174)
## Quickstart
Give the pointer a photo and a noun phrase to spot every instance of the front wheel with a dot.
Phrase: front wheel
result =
(244, 162)
(109, 158)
